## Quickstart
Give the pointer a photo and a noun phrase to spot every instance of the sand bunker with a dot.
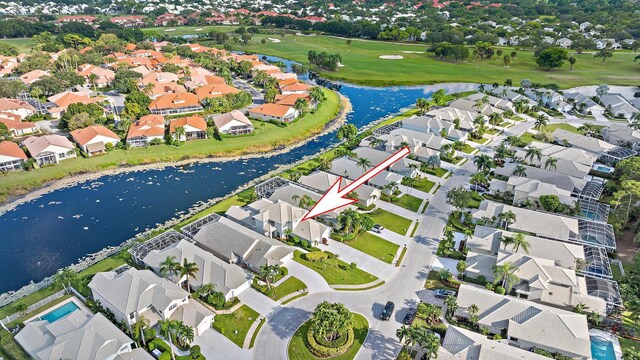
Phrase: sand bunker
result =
(412, 52)
(198, 29)
(391, 57)
(170, 30)
(274, 40)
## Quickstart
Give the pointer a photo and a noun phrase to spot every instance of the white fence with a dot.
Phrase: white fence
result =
(32, 307)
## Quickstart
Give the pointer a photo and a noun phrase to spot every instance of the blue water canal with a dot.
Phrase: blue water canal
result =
(57, 229)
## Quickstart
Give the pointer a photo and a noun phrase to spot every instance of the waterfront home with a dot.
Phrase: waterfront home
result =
(603, 150)
(276, 219)
(233, 123)
(145, 130)
(437, 122)
(196, 81)
(32, 76)
(178, 103)
(295, 88)
(476, 106)
(103, 77)
(49, 149)
(237, 244)
(11, 156)
(463, 344)
(94, 139)
(422, 145)
(618, 105)
(17, 127)
(268, 112)
(578, 186)
(87, 19)
(195, 128)
(322, 181)
(131, 294)
(621, 135)
(80, 335)
(528, 324)
(226, 278)
(290, 100)
(214, 91)
(350, 169)
(66, 98)
(17, 107)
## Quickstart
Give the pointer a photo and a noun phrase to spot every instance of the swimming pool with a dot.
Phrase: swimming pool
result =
(602, 349)
(604, 169)
(60, 312)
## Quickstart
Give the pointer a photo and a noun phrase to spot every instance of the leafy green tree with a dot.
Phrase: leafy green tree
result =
(423, 105)
(347, 132)
(8, 50)
(269, 274)
(603, 54)
(552, 58)
(572, 62)
(64, 278)
(331, 321)
(11, 88)
(459, 198)
(439, 97)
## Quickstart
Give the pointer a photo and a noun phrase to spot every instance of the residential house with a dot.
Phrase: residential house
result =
(103, 77)
(494, 101)
(16, 127)
(268, 112)
(448, 122)
(158, 78)
(94, 139)
(226, 278)
(584, 104)
(130, 21)
(178, 103)
(49, 149)
(573, 154)
(145, 130)
(290, 100)
(131, 294)
(237, 244)
(526, 190)
(279, 219)
(11, 156)
(196, 81)
(32, 76)
(87, 19)
(295, 88)
(550, 99)
(476, 106)
(589, 144)
(214, 91)
(7, 63)
(169, 19)
(350, 169)
(621, 135)
(404, 166)
(564, 43)
(618, 106)
(463, 344)
(195, 128)
(422, 145)
(66, 98)
(17, 107)
(322, 181)
(80, 335)
(527, 324)
(233, 123)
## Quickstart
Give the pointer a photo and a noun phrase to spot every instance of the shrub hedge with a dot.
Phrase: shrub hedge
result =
(324, 351)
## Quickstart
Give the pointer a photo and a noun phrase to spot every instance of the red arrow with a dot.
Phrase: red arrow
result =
(335, 197)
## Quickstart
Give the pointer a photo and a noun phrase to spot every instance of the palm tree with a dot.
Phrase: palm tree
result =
(483, 163)
(324, 164)
(551, 163)
(137, 330)
(533, 152)
(405, 335)
(506, 240)
(452, 305)
(520, 171)
(180, 133)
(580, 308)
(508, 217)
(479, 178)
(188, 270)
(169, 266)
(461, 266)
(423, 105)
(363, 163)
(505, 274)
(519, 240)
(64, 278)
(269, 274)
(429, 343)
(473, 311)
(306, 201)
(168, 331)
(541, 121)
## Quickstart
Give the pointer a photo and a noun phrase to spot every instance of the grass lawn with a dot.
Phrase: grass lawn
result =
(23, 44)
(476, 199)
(483, 140)
(291, 285)
(264, 139)
(527, 137)
(408, 202)
(433, 282)
(38, 311)
(362, 64)
(439, 172)
(629, 344)
(391, 221)
(9, 348)
(298, 345)
(375, 246)
(336, 273)
(235, 326)
(424, 185)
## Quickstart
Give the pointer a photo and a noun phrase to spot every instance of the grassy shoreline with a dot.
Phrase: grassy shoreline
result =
(267, 138)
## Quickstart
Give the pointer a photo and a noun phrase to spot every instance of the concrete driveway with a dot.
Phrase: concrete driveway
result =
(215, 346)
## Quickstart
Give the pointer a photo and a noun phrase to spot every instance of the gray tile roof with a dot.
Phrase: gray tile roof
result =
(463, 344)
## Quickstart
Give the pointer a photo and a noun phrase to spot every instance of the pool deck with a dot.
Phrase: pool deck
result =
(71, 299)
(610, 337)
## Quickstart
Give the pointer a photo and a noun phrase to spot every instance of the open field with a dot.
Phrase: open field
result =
(264, 139)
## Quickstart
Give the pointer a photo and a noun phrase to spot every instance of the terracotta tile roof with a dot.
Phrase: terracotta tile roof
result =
(11, 149)
(85, 49)
(195, 121)
(16, 124)
(159, 77)
(13, 104)
(286, 82)
(166, 88)
(199, 71)
(298, 86)
(64, 99)
(150, 125)
(174, 101)
(32, 76)
(202, 80)
(130, 47)
(87, 18)
(9, 116)
(215, 90)
(83, 136)
(290, 99)
(36, 144)
(275, 110)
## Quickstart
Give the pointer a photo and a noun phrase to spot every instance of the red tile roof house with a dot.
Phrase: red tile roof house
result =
(11, 156)
(234, 123)
(168, 19)
(17, 107)
(87, 19)
(178, 103)
(17, 127)
(94, 139)
(64, 99)
(277, 112)
(214, 91)
(33, 76)
(104, 76)
(295, 88)
(128, 21)
(195, 128)
(49, 149)
(143, 131)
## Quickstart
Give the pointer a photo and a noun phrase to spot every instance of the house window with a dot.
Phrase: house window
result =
(132, 316)
(173, 307)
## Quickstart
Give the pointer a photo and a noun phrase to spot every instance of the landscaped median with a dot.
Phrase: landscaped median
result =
(266, 137)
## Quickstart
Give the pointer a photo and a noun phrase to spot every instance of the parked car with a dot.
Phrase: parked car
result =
(479, 188)
(377, 228)
(443, 293)
(408, 318)
(387, 311)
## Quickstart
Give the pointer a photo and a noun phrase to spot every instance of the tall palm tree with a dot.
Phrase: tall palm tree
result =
(269, 274)
(306, 201)
(520, 170)
(484, 163)
(168, 330)
(479, 178)
(505, 275)
(405, 335)
(189, 270)
(473, 311)
(363, 163)
(551, 163)
(64, 278)
(461, 266)
(169, 266)
(541, 121)
(452, 305)
(506, 240)
(508, 217)
(533, 152)
(519, 240)
(429, 343)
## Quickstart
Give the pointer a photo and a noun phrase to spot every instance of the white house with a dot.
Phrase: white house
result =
(94, 139)
(234, 123)
(49, 149)
(276, 112)
(564, 43)
(11, 156)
